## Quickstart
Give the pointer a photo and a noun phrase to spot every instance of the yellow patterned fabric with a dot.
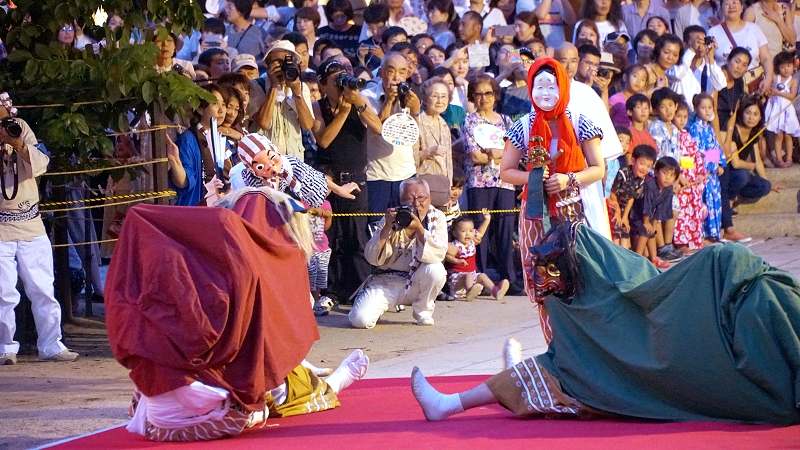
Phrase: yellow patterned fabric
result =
(305, 393)
(231, 425)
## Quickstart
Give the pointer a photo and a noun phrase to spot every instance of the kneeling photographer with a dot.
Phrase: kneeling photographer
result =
(24, 246)
(287, 108)
(407, 251)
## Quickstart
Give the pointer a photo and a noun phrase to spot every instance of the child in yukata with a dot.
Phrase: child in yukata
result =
(463, 277)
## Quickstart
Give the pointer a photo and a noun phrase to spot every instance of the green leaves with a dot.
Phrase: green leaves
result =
(100, 93)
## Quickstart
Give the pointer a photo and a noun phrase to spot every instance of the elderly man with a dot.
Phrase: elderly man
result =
(387, 164)
(408, 260)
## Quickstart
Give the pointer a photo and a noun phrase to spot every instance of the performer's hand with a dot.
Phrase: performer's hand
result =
(346, 190)
(556, 183)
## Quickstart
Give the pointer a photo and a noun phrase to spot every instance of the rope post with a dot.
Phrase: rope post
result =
(160, 151)
(63, 284)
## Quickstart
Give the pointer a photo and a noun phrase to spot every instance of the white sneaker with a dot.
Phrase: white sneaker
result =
(8, 359)
(65, 356)
(399, 308)
(425, 321)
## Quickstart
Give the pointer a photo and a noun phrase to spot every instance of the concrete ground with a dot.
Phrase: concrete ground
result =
(46, 402)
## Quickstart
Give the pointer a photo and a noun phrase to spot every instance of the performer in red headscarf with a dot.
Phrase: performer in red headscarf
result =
(563, 158)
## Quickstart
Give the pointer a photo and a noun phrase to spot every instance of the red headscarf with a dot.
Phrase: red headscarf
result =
(572, 159)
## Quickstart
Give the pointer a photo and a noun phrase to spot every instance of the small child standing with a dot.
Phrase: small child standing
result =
(638, 108)
(627, 187)
(452, 208)
(612, 164)
(654, 206)
(783, 123)
(667, 136)
(714, 158)
(320, 220)
(463, 277)
(691, 210)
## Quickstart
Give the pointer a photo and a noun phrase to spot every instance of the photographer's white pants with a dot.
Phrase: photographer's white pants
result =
(34, 260)
(387, 291)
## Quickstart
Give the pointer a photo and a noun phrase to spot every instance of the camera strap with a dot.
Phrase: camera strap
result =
(15, 170)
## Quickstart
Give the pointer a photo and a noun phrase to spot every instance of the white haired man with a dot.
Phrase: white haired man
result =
(407, 251)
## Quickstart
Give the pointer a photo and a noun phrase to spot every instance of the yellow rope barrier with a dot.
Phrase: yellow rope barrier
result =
(761, 131)
(164, 194)
(84, 243)
(147, 130)
(102, 199)
(100, 169)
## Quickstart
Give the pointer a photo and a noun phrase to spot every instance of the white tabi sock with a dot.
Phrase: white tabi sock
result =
(353, 368)
(435, 405)
(512, 353)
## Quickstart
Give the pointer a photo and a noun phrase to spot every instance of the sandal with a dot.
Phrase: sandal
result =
(660, 263)
(323, 306)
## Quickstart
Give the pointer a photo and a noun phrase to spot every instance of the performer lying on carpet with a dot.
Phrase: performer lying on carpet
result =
(214, 340)
(715, 338)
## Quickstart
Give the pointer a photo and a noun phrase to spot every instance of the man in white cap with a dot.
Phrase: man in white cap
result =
(246, 65)
(286, 110)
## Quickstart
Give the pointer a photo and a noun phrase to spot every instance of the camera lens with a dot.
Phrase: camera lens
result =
(12, 127)
(403, 89)
(403, 216)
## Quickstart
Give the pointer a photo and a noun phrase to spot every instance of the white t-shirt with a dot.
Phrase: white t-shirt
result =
(385, 161)
(750, 37)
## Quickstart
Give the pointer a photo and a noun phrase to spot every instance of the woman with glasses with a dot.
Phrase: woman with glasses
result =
(484, 188)
(66, 36)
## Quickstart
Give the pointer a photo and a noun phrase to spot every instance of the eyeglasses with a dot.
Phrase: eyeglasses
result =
(67, 28)
(417, 200)
(412, 62)
(439, 97)
(488, 94)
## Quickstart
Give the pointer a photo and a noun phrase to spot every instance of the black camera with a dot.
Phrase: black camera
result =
(403, 216)
(290, 69)
(11, 127)
(708, 40)
(403, 89)
(602, 72)
(346, 81)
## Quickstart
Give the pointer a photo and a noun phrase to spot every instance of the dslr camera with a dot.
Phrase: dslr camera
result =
(602, 72)
(289, 68)
(708, 40)
(346, 81)
(11, 127)
(403, 216)
(403, 89)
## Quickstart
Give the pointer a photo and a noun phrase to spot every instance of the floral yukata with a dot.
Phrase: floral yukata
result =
(714, 157)
(689, 225)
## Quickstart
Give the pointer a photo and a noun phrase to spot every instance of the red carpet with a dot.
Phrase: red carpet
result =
(383, 414)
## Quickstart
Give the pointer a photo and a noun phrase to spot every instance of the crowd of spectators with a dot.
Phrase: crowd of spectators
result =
(687, 86)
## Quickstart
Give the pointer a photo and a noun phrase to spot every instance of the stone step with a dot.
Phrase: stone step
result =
(784, 202)
(789, 177)
(768, 225)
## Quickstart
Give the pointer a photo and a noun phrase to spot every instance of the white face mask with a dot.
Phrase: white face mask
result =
(545, 92)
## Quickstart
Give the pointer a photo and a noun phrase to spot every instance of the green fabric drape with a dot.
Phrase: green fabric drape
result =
(714, 338)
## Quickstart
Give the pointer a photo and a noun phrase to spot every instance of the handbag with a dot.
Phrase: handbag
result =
(753, 77)
(440, 188)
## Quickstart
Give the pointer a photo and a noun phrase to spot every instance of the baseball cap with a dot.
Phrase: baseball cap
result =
(282, 45)
(243, 60)
(616, 35)
(329, 67)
